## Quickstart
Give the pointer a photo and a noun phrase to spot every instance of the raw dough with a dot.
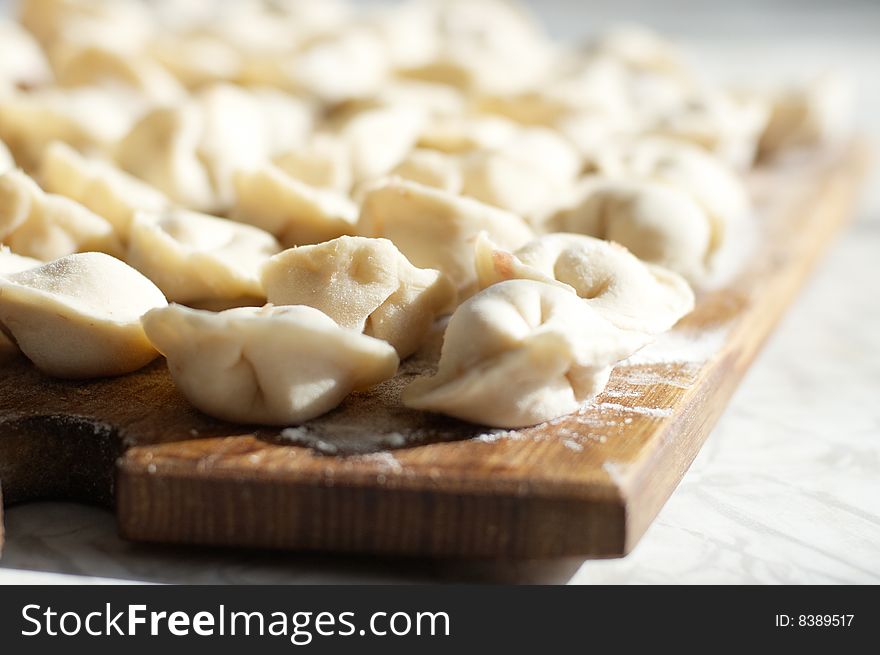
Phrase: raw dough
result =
(293, 211)
(79, 316)
(98, 186)
(270, 365)
(47, 226)
(629, 293)
(363, 284)
(436, 229)
(521, 352)
(196, 257)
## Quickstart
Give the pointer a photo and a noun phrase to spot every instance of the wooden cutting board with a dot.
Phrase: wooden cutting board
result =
(375, 477)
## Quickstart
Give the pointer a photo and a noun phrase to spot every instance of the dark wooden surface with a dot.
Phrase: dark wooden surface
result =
(375, 477)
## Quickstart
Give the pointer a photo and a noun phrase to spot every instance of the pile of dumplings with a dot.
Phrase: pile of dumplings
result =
(286, 197)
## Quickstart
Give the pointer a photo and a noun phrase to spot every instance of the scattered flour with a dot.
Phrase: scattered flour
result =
(680, 347)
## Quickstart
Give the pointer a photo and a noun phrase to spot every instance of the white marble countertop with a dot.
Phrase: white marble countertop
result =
(786, 489)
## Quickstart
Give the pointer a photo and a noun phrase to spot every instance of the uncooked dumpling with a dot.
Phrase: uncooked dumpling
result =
(12, 263)
(292, 210)
(688, 168)
(817, 114)
(629, 293)
(195, 257)
(432, 168)
(379, 138)
(527, 175)
(47, 226)
(521, 352)
(270, 365)
(96, 65)
(435, 229)
(80, 316)
(6, 161)
(323, 162)
(161, 149)
(22, 62)
(192, 151)
(99, 186)
(85, 118)
(362, 284)
(656, 222)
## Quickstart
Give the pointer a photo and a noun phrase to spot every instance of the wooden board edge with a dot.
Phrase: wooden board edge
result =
(832, 206)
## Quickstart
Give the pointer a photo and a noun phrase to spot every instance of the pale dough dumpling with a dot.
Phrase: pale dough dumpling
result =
(98, 185)
(379, 138)
(656, 222)
(292, 210)
(161, 149)
(22, 62)
(363, 284)
(192, 151)
(6, 161)
(86, 118)
(95, 65)
(527, 175)
(432, 168)
(80, 316)
(195, 257)
(817, 114)
(435, 229)
(688, 168)
(12, 263)
(324, 162)
(521, 352)
(270, 365)
(629, 293)
(47, 226)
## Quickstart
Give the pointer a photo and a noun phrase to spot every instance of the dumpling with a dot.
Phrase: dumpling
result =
(12, 263)
(192, 151)
(379, 138)
(47, 226)
(457, 134)
(80, 316)
(482, 47)
(655, 222)
(432, 168)
(717, 121)
(195, 257)
(22, 62)
(98, 186)
(270, 365)
(521, 352)
(322, 162)
(96, 65)
(363, 284)
(338, 66)
(6, 161)
(124, 24)
(243, 128)
(528, 175)
(627, 292)
(818, 114)
(85, 118)
(161, 149)
(292, 210)
(688, 168)
(435, 229)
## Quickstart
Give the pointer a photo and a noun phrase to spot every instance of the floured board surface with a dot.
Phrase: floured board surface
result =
(373, 476)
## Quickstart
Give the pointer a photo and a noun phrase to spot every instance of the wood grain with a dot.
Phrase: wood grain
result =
(383, 479)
